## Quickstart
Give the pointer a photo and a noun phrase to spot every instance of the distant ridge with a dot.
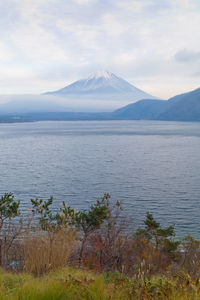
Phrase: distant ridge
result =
(146, 109)
(184, 107)
(102, 85)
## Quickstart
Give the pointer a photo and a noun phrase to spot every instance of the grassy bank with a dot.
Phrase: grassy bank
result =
(78, 284)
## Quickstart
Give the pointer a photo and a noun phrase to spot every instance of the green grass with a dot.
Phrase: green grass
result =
(74, 284)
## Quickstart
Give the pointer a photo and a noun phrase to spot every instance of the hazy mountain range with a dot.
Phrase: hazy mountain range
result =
(78, 100)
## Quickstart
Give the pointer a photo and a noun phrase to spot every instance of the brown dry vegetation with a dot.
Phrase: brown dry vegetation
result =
(102, 241)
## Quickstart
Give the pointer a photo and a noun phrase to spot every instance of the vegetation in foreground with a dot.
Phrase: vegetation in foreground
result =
(77, 284)
(93, 254)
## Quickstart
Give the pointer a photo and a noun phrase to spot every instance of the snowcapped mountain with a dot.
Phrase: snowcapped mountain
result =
(102, 91)
(102, 85)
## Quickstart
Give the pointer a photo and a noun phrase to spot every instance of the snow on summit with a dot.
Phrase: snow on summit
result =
(101, 73)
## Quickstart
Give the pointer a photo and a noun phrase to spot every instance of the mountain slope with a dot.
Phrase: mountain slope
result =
(184, 107)
(102, 85)
(146, 109)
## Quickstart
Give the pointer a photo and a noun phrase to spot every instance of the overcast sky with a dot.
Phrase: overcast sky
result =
(47, 44)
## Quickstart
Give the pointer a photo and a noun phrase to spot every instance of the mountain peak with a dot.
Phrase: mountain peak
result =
(99, 74)
(102, 85)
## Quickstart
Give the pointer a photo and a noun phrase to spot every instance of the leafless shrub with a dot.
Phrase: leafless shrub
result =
(11, 246)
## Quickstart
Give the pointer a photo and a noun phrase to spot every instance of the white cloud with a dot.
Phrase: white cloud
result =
(49, 43)
(5, 54)
(84, 34)
(125, 59)
(187, 56)
(37, 44)
(112, 26)
(82, 2)
(135, 6)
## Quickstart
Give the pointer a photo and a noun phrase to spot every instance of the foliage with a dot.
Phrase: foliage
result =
(52, 221)
(108, 247)
(90, 220)
(162, 237)
(9, 208)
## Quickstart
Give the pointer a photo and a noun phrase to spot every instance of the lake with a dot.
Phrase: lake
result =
(149, 165)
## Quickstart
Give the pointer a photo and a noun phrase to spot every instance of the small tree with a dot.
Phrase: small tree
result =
(108, 245)
(9, 208)
(47, 220)
(91, 220)
(162, 237)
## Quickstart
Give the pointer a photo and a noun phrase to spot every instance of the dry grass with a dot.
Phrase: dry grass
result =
(46, 251)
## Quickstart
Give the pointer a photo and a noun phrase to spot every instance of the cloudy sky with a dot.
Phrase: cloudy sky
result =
(47, 44)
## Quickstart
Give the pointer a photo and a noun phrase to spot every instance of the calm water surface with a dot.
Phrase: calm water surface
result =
(150, 166)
